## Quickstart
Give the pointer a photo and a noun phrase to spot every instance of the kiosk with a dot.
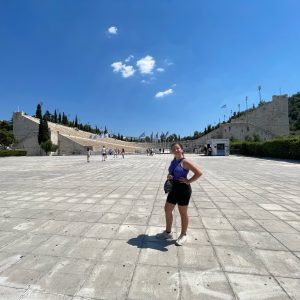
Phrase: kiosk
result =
(219, 147)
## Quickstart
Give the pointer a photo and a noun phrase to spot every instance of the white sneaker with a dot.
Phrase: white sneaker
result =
(181, 240)
(164, 235)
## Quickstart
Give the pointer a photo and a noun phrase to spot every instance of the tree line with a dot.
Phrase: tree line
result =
(62, 119)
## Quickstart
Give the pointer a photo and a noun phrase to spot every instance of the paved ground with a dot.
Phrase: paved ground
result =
(72, 230)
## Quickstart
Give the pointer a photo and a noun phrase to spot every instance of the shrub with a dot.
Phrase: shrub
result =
(282, 147)
(4, 153)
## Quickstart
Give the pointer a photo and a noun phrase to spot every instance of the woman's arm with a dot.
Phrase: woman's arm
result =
(192, 167)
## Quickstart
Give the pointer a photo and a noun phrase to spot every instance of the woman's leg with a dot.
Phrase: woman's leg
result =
(169, 215)
(184, 218)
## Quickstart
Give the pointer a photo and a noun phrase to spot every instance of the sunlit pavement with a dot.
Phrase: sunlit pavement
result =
(76, 230)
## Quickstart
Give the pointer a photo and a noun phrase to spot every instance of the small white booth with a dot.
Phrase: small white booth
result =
(219, 147)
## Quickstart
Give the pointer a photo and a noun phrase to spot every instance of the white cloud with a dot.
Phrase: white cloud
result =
(163, 94)
(112, 30)
(117, 66)
(160, 69)
(146, 64)
(129, 58)
(125, 70)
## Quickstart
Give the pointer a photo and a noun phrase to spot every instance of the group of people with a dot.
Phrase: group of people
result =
(207, 150)
(150, 151)
(103, 151)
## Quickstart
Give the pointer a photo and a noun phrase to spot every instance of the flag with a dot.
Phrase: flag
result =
(224, 106)
(142, 135)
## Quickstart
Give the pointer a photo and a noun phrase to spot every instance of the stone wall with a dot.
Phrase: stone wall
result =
(69, 140)
(267, 121)
(68, 147)
(26, 133)
(26, 130)
(271, 116)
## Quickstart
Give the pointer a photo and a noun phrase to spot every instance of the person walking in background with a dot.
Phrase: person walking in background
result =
(123, 152)
(103, 153)
(88, 154)
(180, 193)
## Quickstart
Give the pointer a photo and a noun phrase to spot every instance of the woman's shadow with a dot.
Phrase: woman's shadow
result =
(144, 241)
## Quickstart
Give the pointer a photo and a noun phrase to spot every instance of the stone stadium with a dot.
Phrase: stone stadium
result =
(267, 121)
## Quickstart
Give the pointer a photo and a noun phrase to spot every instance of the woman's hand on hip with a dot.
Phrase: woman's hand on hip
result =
(184, 180)
(170, 177)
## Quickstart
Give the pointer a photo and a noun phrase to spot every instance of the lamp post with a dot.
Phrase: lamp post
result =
(259, 92)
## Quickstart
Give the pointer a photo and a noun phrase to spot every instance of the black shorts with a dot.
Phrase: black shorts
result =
(180, 194)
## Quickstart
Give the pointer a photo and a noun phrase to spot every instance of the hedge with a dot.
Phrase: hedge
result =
(288, 147)
(12, 153)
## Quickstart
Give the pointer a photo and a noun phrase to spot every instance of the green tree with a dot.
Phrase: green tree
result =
(55, 116)
(76, 122)
(40, 132)
(7, 125)
(43, 134)
(48, 146)
(294, 112)
(47, 116)
(6, 138)
(64, 119)
(38, 112)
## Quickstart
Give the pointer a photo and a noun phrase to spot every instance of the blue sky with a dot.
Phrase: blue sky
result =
(142, 65)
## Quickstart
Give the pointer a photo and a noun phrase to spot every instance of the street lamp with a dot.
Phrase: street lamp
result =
(259, 92)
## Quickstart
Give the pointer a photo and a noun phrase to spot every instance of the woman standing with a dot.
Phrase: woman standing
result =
(88, 154)
(103, 153)
(180, 194)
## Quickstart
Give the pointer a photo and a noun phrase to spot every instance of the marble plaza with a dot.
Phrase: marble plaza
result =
(76, 230)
